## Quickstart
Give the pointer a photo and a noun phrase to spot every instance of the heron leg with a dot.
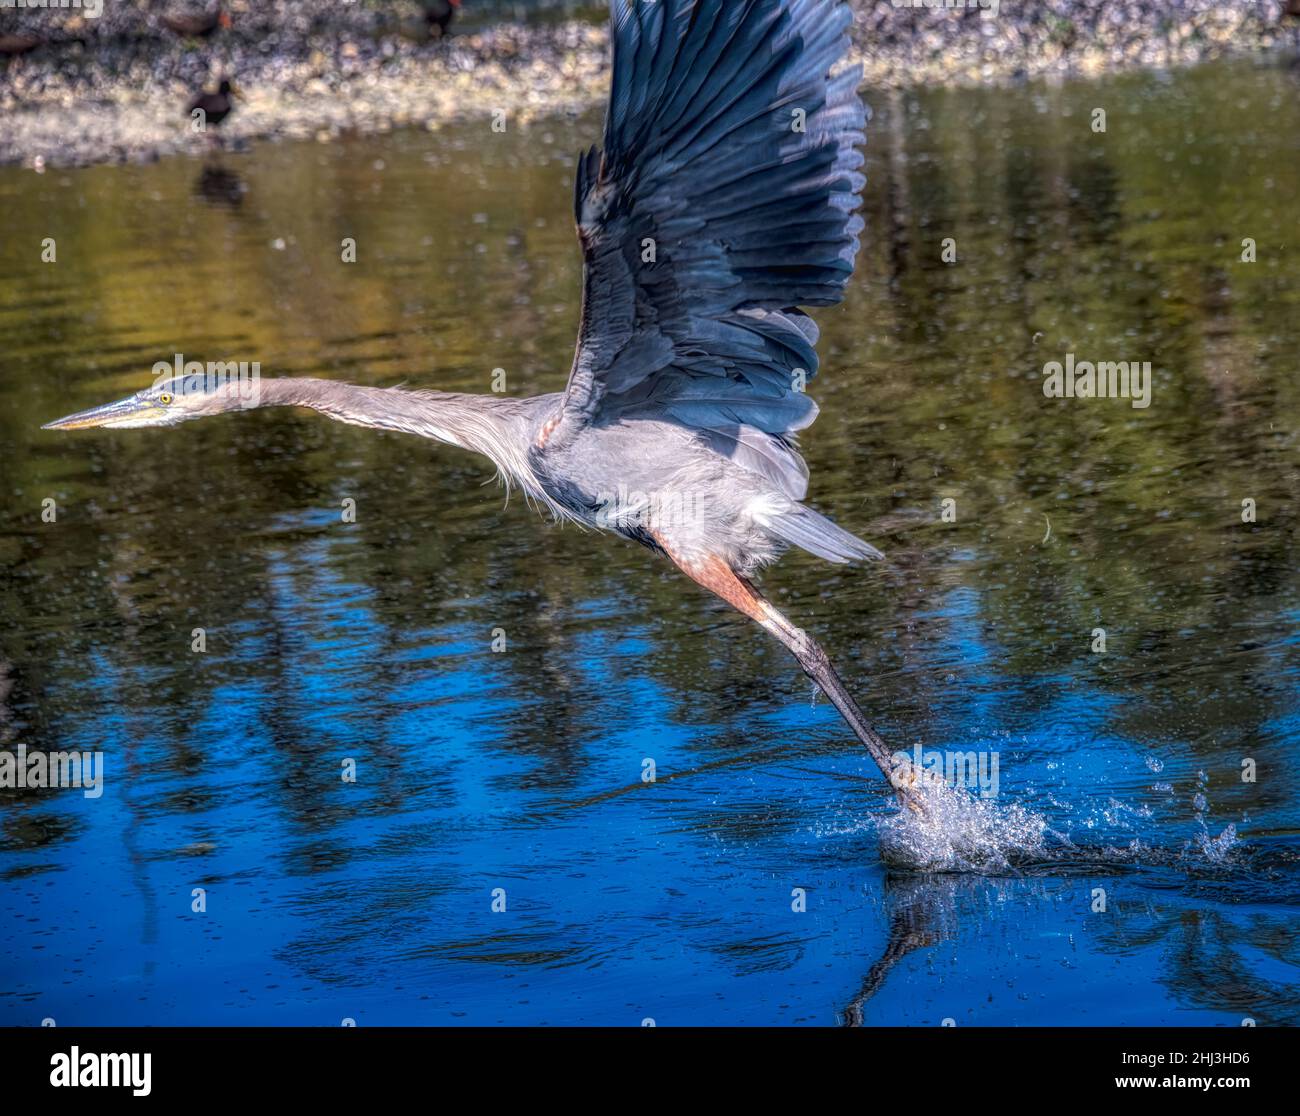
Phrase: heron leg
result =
(719, 578)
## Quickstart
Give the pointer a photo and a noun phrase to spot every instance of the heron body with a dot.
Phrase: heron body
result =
(722, 203)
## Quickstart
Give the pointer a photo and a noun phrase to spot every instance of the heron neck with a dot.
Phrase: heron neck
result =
(493, 425)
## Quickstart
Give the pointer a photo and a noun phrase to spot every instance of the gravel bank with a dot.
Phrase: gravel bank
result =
(116, 87)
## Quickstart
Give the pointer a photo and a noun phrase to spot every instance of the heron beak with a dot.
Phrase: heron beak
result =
(125, 412)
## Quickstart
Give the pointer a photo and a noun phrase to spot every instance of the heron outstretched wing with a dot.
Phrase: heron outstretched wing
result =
(723, 200)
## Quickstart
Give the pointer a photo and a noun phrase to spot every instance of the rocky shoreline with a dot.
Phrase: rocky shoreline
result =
(116, 87)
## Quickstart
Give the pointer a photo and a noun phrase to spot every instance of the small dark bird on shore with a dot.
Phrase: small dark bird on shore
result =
(439, 14)
(196, 25)
(19, 42)
(215, 106)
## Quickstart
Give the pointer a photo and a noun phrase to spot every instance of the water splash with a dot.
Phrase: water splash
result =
(956, 832)
(1220, 849)
(1215, 850)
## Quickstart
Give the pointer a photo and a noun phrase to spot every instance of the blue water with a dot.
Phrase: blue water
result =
(519, 773)
(623, 900)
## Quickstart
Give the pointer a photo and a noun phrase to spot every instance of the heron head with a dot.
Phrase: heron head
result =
(167, 403)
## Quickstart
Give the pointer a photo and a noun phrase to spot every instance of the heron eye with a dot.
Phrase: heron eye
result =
(165, 398)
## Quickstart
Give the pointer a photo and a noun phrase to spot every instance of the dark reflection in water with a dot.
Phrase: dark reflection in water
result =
(220, 186)
(915, 906)
(1211, 955)
(519, 774)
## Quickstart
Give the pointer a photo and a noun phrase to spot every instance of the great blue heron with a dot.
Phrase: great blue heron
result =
(723, 201)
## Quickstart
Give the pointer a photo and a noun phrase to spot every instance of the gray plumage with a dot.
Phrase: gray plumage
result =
(722, 202)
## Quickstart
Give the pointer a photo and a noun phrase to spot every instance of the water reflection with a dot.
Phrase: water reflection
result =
(220, 186)
(915, 909)
(1220, 958)
(523, 770)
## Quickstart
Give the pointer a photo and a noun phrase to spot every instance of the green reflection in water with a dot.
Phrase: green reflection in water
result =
(1119, 246)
